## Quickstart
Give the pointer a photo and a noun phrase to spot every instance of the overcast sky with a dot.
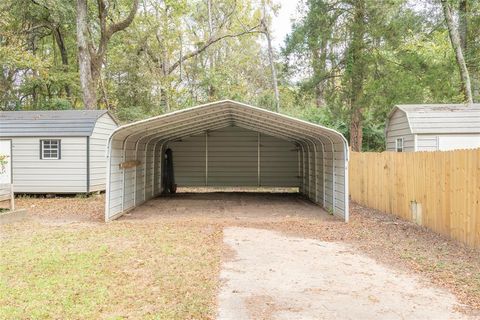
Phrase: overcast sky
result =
(281, 24)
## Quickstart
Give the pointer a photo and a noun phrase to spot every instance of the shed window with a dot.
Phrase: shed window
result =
(50, 149)
(399, 145)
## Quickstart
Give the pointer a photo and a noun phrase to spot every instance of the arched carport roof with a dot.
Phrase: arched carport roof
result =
(225, 113)
(220, 114)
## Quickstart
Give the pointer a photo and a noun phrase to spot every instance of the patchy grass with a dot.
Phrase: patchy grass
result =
(62, 264)
(110, 271)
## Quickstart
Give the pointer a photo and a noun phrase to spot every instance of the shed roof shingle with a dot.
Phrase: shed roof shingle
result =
(441, 118)
(76, 123)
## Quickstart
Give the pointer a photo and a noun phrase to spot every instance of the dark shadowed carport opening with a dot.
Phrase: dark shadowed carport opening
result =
(226, 145)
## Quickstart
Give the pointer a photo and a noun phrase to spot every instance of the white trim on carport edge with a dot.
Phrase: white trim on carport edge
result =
(195, 120)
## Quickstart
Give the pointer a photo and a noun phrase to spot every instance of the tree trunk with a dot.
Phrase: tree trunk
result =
(165, 100)
(463, 24)
(272, 68)
(457, 47)
(264, 25)
(63, 54)
(211, 87)
(319, 58)
(357, 76)
(463, 30)
(90, 61)
(104, 93)
(84, 59)
(319, 95)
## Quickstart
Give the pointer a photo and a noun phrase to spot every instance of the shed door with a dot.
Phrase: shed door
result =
(5, 169)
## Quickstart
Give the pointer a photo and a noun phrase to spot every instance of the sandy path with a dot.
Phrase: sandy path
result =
(271, 276)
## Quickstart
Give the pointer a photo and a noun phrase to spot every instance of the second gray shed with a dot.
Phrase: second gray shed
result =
(57, 151)
(433, 127)
(227, 143)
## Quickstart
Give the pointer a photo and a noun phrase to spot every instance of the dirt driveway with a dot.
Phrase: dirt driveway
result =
(272, 276)
(231, 256)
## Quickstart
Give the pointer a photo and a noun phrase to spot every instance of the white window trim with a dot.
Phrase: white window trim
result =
(59, 148)
(396, 144)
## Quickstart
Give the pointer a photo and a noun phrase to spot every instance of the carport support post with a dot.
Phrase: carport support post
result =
(334, 188)
(298, 162)
(154, 167)
(159, 156)
(347, 204)
(316, 174)
(323, 175)
(124, 151)
(258, 159)
(206, 158)
(303, 169)
(309, 173)
(145, 172)
(136, 173)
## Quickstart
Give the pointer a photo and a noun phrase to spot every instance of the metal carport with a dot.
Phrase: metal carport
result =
(135, 154)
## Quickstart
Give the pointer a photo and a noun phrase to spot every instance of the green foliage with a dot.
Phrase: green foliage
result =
(407, 54)
(57, 104)
(407, 58)
(34, 73)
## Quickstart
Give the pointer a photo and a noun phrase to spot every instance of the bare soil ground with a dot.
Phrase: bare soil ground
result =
(64, 208)
(393, 243)
(228, 207)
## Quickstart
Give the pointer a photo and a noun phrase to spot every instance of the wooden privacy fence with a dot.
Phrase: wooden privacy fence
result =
(440, 190)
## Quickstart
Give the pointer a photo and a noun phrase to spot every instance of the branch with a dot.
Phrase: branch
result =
(227, 17)
(209, 42)
(102, 45)
(456, 45)
(38, 26)
(41, 5)
(124, 23)
(102, 16)
(107, 32)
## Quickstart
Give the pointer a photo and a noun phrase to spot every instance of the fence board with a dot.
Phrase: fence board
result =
(446, 185)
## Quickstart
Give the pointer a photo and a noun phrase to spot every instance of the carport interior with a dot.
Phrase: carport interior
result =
(227, 144)
(234, 157)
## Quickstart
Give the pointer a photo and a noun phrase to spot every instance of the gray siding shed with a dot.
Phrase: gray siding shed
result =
(434, 127)
(83, 135)
(398, 127)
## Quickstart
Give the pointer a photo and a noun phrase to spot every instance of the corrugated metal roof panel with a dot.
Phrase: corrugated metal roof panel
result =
(48, 123)
(226, 112)
(442, 118)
